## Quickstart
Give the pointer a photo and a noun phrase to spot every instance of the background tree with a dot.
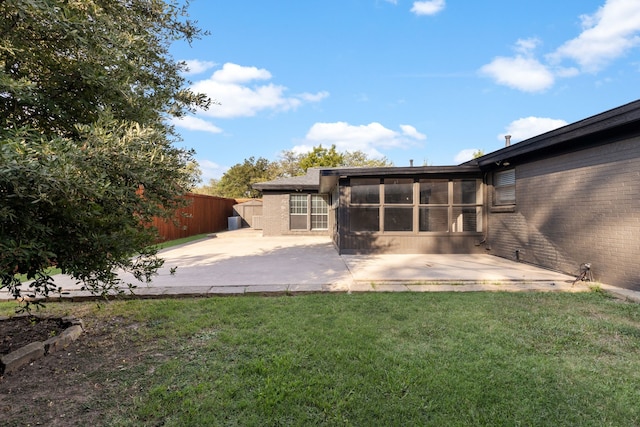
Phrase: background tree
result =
(359, 158)
(238, 180)
(478, 153)
(321, 157)
(86, 155)
(289, 164)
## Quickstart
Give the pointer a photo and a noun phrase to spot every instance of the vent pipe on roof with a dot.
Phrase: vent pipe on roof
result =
(507, 140)
(411, 162)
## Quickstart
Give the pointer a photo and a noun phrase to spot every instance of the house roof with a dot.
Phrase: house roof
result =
(310, 181)
(609, 126)
(323, 179)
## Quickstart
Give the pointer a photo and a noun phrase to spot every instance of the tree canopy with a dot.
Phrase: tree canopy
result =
(237, 182)
(321, 157)
(86, 152)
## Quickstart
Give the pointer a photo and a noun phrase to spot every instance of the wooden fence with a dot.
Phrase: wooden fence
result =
(205, 214)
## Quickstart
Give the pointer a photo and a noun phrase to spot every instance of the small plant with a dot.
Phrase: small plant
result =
(596, 288)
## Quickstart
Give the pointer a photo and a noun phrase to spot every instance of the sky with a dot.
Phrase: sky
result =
(429, 81)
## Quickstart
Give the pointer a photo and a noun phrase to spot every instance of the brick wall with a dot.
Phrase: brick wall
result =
(577, 208)
(275, 208)
(275, 217)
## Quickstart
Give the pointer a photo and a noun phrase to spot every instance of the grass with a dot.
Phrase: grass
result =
(482, 359)
(181, 241)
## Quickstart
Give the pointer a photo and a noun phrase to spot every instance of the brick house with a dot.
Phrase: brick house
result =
(559, 200)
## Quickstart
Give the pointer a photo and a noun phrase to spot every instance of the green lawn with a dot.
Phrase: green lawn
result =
(403, 359)
(181, 241)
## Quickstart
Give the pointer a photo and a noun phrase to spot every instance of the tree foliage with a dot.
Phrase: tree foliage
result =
(321, 157)
(86, 155)
(478, 153)
(239, 179)
(361, 159)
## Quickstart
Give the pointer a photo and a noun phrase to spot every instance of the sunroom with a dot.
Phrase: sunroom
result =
(406, 210)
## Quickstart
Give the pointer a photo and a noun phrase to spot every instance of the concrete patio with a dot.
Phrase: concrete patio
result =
(245, 262)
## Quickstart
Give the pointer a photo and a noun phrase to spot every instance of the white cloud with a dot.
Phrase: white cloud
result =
(314, 97)
(410, 131)
(528, 127)
(523, 71)
(235, 87)
(465, 155)
(211, 170)
(525, 74)
(194, 123)
(234, 73)
(527, 46)
(607, 34)
(367, 138)
(195, 66)
(430, 7)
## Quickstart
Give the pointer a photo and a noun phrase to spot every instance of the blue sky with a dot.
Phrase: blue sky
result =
(431, 81)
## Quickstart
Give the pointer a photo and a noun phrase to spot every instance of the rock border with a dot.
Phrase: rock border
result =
(23, 356)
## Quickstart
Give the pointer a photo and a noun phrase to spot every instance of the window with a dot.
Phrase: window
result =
(505, 187)
(308, 209)
(319, 212)
(298, 212)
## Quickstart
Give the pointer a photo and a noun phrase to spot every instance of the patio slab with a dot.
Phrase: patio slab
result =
(244, 262)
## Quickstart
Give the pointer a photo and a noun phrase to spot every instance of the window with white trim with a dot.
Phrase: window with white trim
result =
(298, 212)
(308, 212)
(504, 185)
(319, 212)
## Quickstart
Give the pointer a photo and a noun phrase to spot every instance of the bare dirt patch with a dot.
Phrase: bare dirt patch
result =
(17, 332)
(76, 386)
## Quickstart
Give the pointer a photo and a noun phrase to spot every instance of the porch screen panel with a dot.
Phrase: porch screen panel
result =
(398, 191)
(465, 219)
(433, 213)
(364, 210)
(365, 190)
(434, 192)
(398, 218)
(364, 219)
(465, 191)
(434, 219)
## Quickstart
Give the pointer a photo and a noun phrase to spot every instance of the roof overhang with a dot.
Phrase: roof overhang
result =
(329, 178)
(610, 126)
